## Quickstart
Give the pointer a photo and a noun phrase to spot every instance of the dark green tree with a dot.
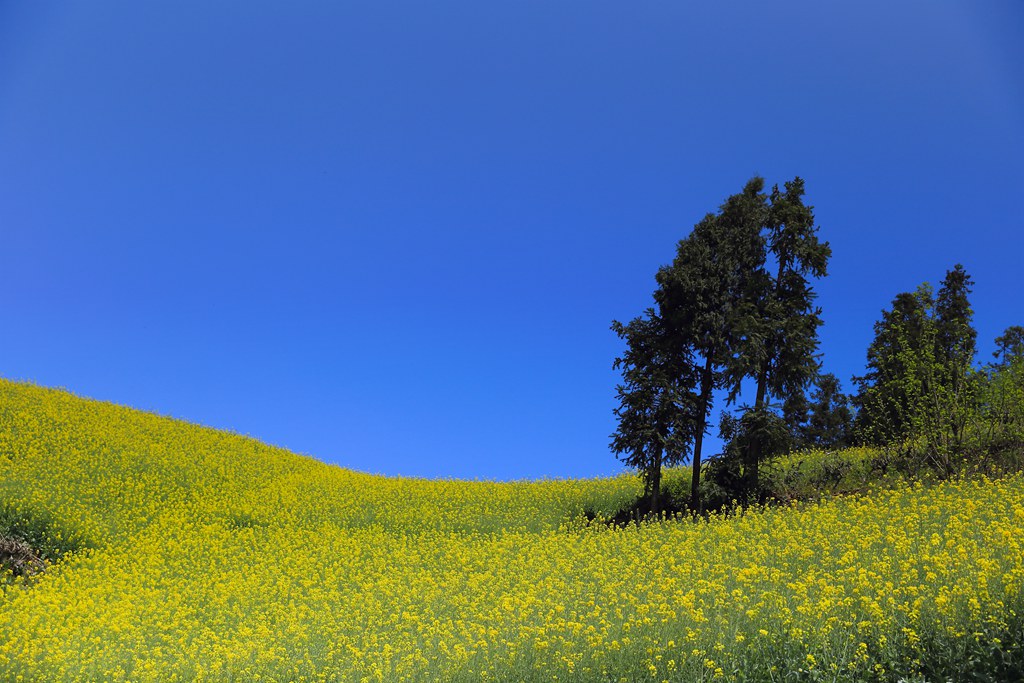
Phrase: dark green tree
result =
(830, 419)
(885, 401)
(724, 309)
(657, 403)
(701, 298)
(726, 481)
(1009, 345)
(920, 389)
(955, 333)
(1002, 393)
(953, 397)
(780, 326)
(796, 411)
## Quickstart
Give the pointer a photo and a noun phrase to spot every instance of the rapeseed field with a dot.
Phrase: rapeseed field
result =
(204, 555)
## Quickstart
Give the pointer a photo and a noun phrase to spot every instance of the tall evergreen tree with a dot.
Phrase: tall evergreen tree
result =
(657, 404)
(700, 296)
(724, 310)
(796, 411)
(955, 339)
(781, 327)
(956, 336)
(886, 397)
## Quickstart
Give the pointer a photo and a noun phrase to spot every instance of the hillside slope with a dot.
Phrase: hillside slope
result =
(109, 471)
(209, 556)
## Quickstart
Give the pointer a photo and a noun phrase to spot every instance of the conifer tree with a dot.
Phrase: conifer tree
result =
(780, 332)
(956, 336)
(700, 296)
(796, 411)
(1009, 345)
(657, 403)
(955, 339)
(887, 396)
(721, 309)
(829, 419)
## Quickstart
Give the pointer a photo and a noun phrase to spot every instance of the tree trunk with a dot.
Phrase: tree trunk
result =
(706, 383)
(656, 486)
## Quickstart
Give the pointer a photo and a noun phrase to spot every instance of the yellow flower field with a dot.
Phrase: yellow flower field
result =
(210, 556)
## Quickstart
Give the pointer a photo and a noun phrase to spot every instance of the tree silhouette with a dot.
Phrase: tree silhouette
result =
(657, 403)
(700, 297)
(778, 349)
(1009, 345)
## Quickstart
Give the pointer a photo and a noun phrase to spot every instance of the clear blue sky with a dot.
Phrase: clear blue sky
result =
(392, 235)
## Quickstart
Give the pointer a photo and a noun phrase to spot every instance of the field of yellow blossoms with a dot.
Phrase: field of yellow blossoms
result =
(205, 555)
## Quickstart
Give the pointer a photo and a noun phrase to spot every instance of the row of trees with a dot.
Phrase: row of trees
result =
(735, 310)
(736, 305)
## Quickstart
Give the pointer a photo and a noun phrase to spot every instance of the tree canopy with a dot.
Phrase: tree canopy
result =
(920, 385)
(657, 405)
(736, 303)
(1009, 345)
(701, 298)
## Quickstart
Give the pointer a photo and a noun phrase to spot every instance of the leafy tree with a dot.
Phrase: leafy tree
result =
(657, 404)
(919, 387)
(1001, 394)
(701, 298)
(884, 402)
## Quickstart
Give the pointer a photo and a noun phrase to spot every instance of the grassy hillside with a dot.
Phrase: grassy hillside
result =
(195, 554)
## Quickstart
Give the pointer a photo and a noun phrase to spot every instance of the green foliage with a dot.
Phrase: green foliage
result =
(886, 400)
(778, 330)
(703, 293)
(760, 427)
(831, 418)
(920, 391)
(657, 406)
(823, 422)
(1009, 345)
(702, 298)
(738, 297)
(780, 350)
(818, 473)
(991, 444)
(30, 540)
(998, 428)
(955, 335)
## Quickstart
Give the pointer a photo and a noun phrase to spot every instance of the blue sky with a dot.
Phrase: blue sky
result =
(393, 235)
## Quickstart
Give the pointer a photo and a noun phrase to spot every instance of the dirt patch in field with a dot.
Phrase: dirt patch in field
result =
(19, 558)
(31, 541)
